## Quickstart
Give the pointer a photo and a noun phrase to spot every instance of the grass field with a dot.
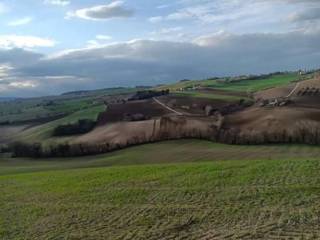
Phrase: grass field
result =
(213, 96)
(257, 85)
(172, 190)
(240, 85)
(44, 131)
(21, 110)
(32, 109)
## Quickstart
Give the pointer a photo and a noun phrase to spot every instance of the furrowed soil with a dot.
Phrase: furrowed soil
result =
(302, 113)
(195, 105)
(273, 119)
(256, 192)
(117, 112)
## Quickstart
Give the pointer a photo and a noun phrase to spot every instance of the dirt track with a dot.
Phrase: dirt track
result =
(117, 112)
(275, 92)
(192, 106)
(301, 116)
(167, 107)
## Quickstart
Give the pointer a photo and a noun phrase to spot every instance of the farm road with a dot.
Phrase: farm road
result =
(167, 107)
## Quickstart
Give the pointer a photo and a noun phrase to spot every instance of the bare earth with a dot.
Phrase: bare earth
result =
(8, 132)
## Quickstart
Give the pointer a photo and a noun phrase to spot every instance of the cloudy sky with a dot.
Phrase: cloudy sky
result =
(54, 46)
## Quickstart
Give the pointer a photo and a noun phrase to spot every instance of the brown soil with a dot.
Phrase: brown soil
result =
(297, 122)
(191, 105)
(285, 91)
(271, 119)
(117, 112)
(170, 127)
(8, 132)
(311, 83)
(223, 92)
(151, 109)
(274, 92)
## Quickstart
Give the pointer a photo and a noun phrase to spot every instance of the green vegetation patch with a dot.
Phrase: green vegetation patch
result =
(244, 199)
(245, 84)
(257, 85)
(45, 131)
(35, 109)
(213, 96)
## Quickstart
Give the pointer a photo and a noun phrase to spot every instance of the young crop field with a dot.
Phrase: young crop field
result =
(44, 131)
(259, 84)
(252, 85)
(196, 94)
(172, 190)
(33, 110)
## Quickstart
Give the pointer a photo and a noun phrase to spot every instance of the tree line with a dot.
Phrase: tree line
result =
(303, 133)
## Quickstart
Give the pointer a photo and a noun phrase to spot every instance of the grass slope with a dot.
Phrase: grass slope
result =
(195, 94)
(44, 131)
(239, 85)
(20, 110)
(244, 197)
(31, 109)
(257, 85)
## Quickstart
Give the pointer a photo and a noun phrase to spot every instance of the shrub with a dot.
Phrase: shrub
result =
(80, 127)
(27, 150)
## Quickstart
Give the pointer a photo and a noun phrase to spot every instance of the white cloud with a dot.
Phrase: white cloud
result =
(156, 19)
(5, 70)
(168, 30)
(18, 41)
(93, 44)
(218, 11)
(103, 37)
(99, 41)
(245, 16)
(20, 22)
(171, 34)
(115, 9)
(57, 2)
(23, 84)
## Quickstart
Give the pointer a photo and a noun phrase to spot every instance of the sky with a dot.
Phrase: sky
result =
(49, 47)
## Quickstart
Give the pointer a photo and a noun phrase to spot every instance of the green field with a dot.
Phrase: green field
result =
(240, 85)
(171, 190)
(22, 110)
(44, 132)
(32, 109)
(257, 85)
(196, 94)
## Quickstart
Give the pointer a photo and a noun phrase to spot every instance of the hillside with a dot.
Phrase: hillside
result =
(124, 117)
(182, 189)
(215, 192)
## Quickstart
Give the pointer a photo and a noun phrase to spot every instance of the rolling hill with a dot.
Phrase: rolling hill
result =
(182, 189)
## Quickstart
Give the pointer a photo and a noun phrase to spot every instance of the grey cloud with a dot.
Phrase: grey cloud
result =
(153, 62)
(18, 57)
(102, 12)
(306, 15)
